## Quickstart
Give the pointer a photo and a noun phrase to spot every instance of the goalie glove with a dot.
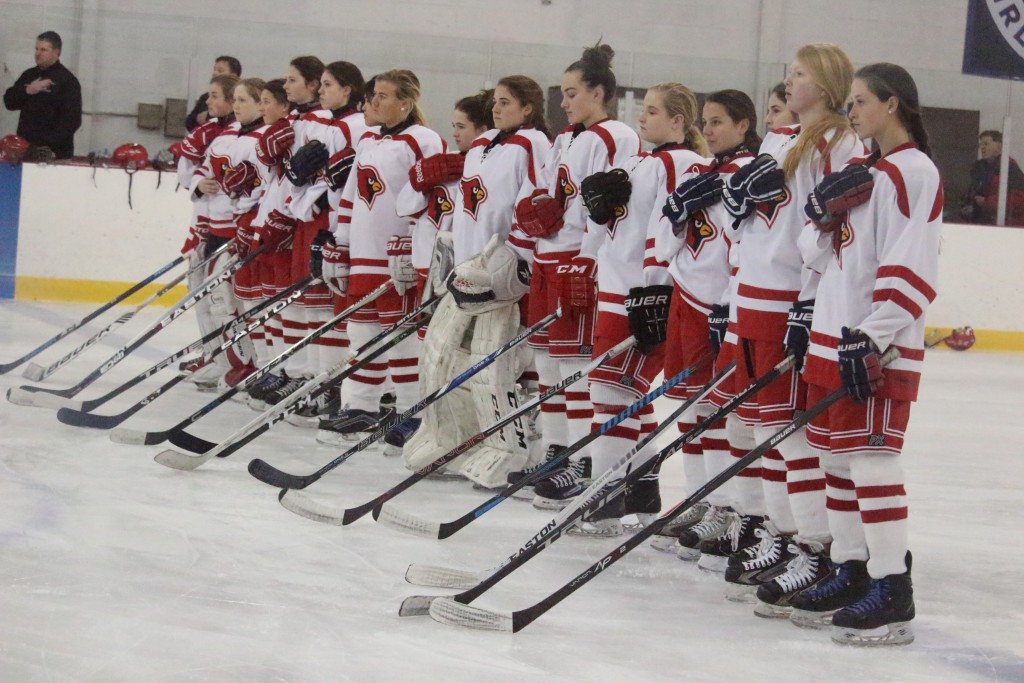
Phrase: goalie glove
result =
(691, 196)
(316, 256)
(718, 323)
(860, 365)
(798, 330)
(604, 192)
(828, 203)
(275, 144)
(240, 179)
(307, 161)
(276, 232)
(403, 275)
(539, 215)
(576, 285)
(339, 167)
(490, 280)
(647, 308)
(759, 181)
(436, 170)
(336, 266)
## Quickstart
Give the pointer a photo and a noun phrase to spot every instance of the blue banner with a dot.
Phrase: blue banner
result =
(994, 42)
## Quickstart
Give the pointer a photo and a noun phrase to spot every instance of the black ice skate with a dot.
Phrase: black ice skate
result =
(558, 490)
(749, 568)
(346, 426)
(526, 492)
(712, 525)
(667, 539)
(312, 410)
(846, 584)
(394, 441)
(258, 392)
(738, 536)
(604, 522)
(881, 617)
(809, 566)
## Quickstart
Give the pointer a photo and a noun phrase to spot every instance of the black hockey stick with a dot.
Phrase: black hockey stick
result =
(305, 506)
(38, 373)
(7, 367)
(450, 611)
(22, 395)
(314, 387)
(256, 317)
(269, 474)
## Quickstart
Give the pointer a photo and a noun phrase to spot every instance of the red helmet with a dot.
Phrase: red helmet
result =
(131, 156)
(13, 148)
(961, 338)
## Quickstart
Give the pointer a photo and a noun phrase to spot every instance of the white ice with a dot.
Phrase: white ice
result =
(114, 568)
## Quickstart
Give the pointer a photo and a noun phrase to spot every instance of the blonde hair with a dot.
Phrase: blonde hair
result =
(407, 87)
(680, 101)
(832, 71)
(253, 86)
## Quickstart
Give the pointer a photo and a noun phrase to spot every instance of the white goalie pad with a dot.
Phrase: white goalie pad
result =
(454, 341)
(494, 278)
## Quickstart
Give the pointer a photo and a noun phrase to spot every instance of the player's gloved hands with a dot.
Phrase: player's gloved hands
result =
(759, 181)
(718, 323)
(245, 235)
(692, 195)
(539, 215)
(576, 285)
(336, 266)
(436, 170)
(240, 179)
(276, 232)
(275, 144)
(338, 168)
(307, 161)
(798, 330)
(647, 309)
(316, 256)
(605, 192)
(860, 365)
(403, 275)
(193, 147)
(828, 203)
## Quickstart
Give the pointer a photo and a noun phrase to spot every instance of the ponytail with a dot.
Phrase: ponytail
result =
(595, 67)
(886, 80)
(680, 101)
(407, 87)
(739, 107)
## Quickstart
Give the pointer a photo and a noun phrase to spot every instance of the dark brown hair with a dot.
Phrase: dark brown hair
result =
(528, 93)
(477, 108)
(595, 67)
(276, 89)
(738, 106)
(309, 67)
(348, 74)
(887, 80)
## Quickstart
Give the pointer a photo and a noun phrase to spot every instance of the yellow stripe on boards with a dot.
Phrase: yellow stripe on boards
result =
(989, 340)
(89, 291)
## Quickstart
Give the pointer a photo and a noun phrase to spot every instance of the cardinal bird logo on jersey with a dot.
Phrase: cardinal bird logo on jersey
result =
(841, 239)
(566, 190)
(218, 164)
(440, 205)
(473, 195)
(620, 213)
(769, 211)
(699, 232)
(370, 184)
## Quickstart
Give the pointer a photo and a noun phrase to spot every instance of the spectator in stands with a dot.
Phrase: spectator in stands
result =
(981, 201)
(49, 98)
(222, 66)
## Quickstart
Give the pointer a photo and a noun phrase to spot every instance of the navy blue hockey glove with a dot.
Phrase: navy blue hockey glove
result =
(316, 255)
(307, 161)
(759, 181)
(798, 330)
(338, 168)
(647, 308)
(828, 203)
(605, 192)
(860, 365)
(718, 323)
(691, 196)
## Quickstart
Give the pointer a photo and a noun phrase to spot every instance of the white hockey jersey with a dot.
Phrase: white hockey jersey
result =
(620, 258)
(881, 272)
(430, 212)
(772, 274)
(576, 154)
(219, 207)
(244, 149)
(367, 211)
(339, 130)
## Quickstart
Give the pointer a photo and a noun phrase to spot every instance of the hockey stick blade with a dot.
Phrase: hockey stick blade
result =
(79, 418)
(447, 611)
(306, 506)
(137, 437)
(179, 461)
(442, 577)
(33, 372)
(388, 515)
(417, 605)
(269, 474)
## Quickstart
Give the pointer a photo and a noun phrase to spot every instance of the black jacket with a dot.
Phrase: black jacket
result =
(192, 120)
(48, 118)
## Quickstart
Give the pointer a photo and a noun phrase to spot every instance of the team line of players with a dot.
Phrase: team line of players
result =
(715, 250)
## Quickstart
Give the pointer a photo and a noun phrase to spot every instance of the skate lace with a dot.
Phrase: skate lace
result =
(737, 524)
(568, 476)
(835, 583)
(800, 570)
(290, 387)
(269, 382)
(875, 600)
(769, 550)
(712, 521)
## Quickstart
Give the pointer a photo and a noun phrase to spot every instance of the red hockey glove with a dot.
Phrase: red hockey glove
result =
(539, 215)
(276, 143)
(576, 286)
(276, 232)
(403, 275)
(436, 170)
(335, 268)
(193, 147)
(240, 180)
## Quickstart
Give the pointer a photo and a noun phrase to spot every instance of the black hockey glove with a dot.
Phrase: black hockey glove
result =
(759, 181)
(316, 256)
(718, 322)
(860, 365)
(691, 196)
(604, 192)
(307, 161)
(798, 330)
(839, 192)
(338, 168)
(647, 308)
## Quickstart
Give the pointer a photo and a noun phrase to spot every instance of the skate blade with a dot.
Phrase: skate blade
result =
(34, 372)
(132, 437)
(767, 611)
(525, 494)
(713, 563)
(256, 405)
(687, 554)
(392, 451)
(737, 592)
(549, 503)
(811, 620)
(898, 633)
(666, 544)
(303, 422)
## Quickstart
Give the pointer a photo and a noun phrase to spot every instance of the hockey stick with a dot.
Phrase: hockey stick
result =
(131, 436)
(450, 611)
(262, 423)
(301, 504)
(22, 395)
(38, 373)
(263, 312)
(398, 519)
(7, 367)
(269, 474)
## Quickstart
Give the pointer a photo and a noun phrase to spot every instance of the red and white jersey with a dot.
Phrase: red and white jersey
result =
(500, 170)
(620, 258)
(431, 212)
(697, 260)
(219, 207)
(882, 272)
(772, 274)
(367, 212)
(338, 130)
(576, 154)
(244, 149)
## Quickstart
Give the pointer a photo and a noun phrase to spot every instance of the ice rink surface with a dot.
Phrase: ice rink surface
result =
(114, 568)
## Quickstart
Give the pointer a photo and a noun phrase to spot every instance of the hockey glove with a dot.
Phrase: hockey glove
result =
(316, 256)
(400, 264)
(691, 196)
(759, 181)
(276, 143)
(839, 192)
(338, 168)
(604, 192)
(335, 268)
(860, 365)
(576, 286)
(245, 236)
(718, 323)
(539, 215)
(193, 147)
(240, 180)
(307, 161)
(436, 170)
(798, 330)
(647, 308)
(276, 232)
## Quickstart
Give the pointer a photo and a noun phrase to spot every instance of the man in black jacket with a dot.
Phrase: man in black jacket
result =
(50, 99)
(222, 66)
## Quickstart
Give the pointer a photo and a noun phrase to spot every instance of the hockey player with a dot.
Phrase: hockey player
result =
(551, 227)
(778, 114)
(875, 236)
(775, 302)
(372, 244)
(625, 202)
